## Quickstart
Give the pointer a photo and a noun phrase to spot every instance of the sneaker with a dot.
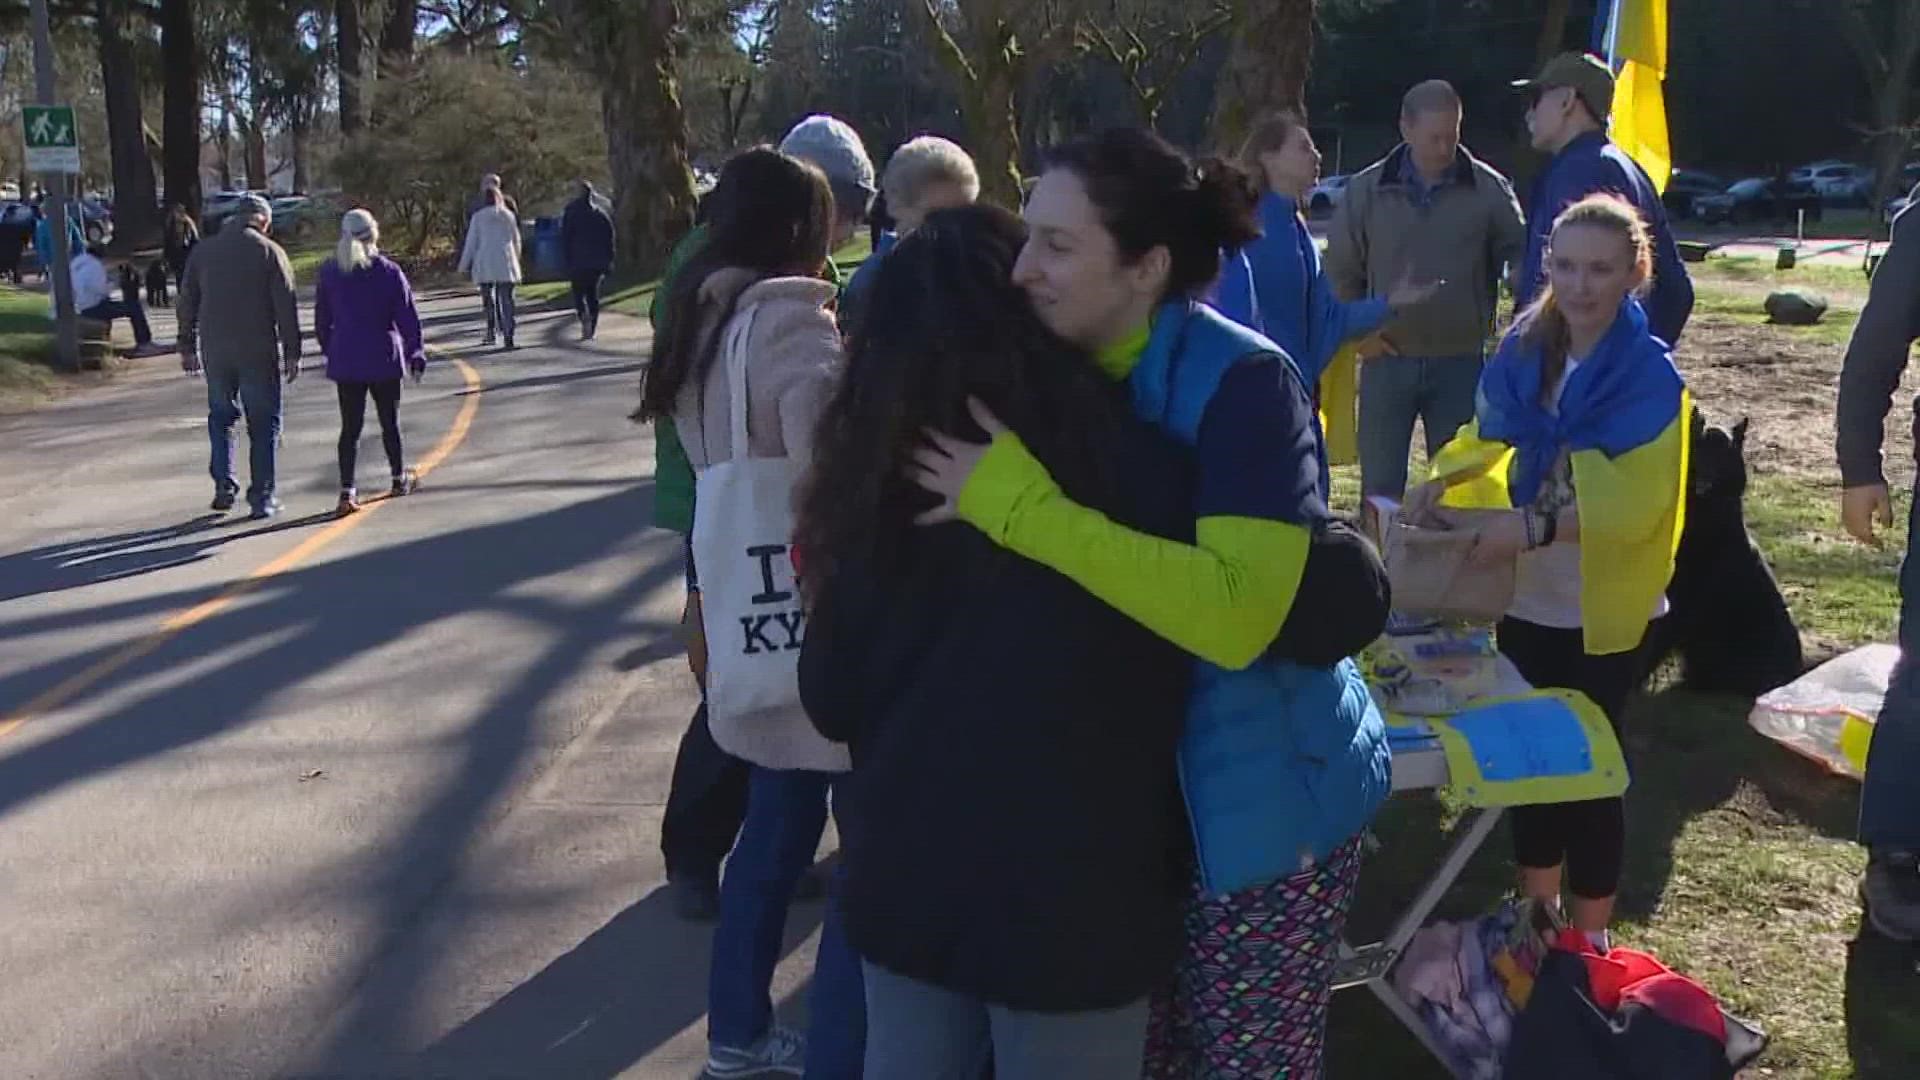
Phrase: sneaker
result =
(487, 341)
(510, 346)
(141, 352)
(224, 499)
(404, 484)
(1890, 891)
(779, 1053)
(348, 504)
(265, 510)
(695, 899)
(593, 326)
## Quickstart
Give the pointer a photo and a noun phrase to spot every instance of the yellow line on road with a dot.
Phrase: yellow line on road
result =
(174, 624)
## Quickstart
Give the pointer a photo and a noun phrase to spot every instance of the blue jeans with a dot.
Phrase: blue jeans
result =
(1890, 800)
(925, 1032)
(108, 310)
(497, 299)
(255, 391)
(1396, 389)
(786, 813)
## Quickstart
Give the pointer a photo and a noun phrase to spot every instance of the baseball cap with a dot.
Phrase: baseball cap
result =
(1587, 74)
(836, 149)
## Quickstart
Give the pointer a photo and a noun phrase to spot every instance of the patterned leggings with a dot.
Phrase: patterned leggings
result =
(1250, 997)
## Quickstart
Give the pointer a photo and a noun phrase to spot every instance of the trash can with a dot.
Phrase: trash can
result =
(549, 257)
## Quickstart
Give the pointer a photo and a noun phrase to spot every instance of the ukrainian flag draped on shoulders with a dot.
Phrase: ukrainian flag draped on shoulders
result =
(1624, 417)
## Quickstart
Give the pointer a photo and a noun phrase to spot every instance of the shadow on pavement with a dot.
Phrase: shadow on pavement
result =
(629, 988)
(410, 586)
(79, 563)
(559, 379)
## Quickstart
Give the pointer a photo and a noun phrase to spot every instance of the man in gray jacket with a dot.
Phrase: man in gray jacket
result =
(1427, 211)
(240, 325)
(1890, 801)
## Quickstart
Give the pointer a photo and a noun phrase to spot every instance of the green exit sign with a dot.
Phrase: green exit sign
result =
(53, 139)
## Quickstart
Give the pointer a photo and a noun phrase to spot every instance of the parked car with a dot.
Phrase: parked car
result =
(1760, 199)
(215, 207)
(96, 217)
(1685, 186)
(1837, 181)
(1325, 196)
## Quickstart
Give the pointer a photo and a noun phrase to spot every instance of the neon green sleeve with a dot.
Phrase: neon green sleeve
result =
(1223, 599)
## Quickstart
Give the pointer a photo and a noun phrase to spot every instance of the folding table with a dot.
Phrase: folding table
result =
(1420, 764)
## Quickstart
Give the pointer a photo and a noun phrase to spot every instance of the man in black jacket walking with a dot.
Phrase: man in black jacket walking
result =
(586, 238)
(1890, 801)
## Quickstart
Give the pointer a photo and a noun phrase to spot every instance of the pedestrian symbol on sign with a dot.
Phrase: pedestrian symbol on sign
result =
(52, 145)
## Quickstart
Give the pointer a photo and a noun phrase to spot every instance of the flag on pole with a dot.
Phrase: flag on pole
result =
(1632, 35)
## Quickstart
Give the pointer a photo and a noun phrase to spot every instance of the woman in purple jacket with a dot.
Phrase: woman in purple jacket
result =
(366, 323)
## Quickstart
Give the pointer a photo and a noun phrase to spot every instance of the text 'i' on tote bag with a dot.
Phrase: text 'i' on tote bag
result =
(750, 604)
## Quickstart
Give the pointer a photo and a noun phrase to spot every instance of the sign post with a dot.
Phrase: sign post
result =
(52, 135)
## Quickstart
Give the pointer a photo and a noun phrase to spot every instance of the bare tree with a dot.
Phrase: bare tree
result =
(349, 53)
(630, 47)
(1266, 67)
(1151, 45)
(181, 62)
(135, 198)
(989, 50)
(1886, 54)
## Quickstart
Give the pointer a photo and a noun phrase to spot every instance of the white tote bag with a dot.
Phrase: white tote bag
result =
(750, 604)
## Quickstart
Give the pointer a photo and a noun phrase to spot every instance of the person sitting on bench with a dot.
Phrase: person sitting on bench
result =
(93, 299)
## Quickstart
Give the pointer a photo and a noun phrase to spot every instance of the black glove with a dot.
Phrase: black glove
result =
(1342, 603)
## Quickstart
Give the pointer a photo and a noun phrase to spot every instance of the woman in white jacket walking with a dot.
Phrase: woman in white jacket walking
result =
(492, 256)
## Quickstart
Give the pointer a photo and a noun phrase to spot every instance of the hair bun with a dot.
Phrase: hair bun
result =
(1226, 204)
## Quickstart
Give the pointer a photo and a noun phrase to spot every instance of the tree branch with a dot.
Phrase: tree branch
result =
(1859, 37)
(950, 51)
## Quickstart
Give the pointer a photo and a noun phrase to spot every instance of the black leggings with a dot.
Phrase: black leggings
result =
(353, 416)
(1590, 837)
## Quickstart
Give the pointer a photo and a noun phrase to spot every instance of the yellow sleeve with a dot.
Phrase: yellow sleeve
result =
(1223, 599)
(1474, 470)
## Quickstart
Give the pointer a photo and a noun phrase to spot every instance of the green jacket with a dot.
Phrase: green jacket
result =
(673, 484)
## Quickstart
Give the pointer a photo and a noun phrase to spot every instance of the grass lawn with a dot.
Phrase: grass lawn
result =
(1741, 867)
(27, 376)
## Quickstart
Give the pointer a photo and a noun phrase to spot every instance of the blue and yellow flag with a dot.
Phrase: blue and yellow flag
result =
(1632, 35)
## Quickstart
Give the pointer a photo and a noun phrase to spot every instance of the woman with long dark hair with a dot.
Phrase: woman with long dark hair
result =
(1014, 846)
(1283, 758)
(756, 284)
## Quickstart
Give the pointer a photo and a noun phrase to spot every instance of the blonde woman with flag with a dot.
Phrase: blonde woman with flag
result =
(1580, 433)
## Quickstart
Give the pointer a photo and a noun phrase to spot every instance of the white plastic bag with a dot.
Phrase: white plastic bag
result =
(1828, 714)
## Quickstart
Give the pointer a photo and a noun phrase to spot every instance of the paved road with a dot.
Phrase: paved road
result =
(372, 799)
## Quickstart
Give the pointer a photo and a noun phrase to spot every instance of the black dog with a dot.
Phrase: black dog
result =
(1728, 621)
(129, 282)
(158, 294)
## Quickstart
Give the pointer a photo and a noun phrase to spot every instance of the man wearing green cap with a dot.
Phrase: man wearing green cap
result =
(1566, 117)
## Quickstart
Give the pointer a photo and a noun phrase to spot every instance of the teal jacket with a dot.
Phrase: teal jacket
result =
(1280, 764)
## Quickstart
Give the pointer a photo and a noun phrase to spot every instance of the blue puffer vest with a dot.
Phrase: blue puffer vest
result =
(1280, 763)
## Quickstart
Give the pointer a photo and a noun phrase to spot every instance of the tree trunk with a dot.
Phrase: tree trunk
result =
(1266, 68)
(180, 121)
(1553, 33)
(226, 142)
(1892, 104)
(349, 49)
(398, 35)
(646, 130)
(136, 207)
(990, 77)
(300, 136)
